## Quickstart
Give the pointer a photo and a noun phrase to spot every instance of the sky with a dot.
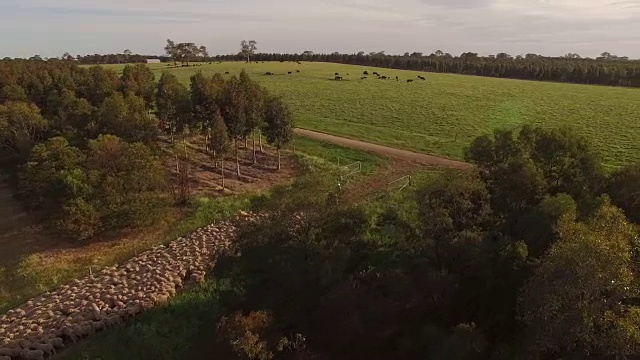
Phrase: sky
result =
(548, 27)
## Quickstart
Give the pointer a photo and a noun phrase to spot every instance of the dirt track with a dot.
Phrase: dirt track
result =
(423, 159)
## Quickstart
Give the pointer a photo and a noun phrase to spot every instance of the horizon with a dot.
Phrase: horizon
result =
(546, 27)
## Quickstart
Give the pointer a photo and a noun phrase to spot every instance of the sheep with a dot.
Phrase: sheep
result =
(32, 354)
(48, 349)
(55, 342)
(113, 293)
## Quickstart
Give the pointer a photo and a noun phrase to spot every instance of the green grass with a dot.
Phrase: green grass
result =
(338, 155)
(443, 114)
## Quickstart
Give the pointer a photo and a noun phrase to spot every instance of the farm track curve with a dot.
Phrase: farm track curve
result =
(423, 159)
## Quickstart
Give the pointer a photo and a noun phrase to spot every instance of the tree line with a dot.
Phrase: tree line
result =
(531, 254)
(83, 143)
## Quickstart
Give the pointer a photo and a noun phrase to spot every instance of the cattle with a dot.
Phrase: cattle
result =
(364, 77)
(375, 73)
(383, 77)
(397, 79)
(421, 77)
(365, 73)
(290, 72)
(268, 73)
(409, 80)
(338, 77)
(336, 74)
(297, 71)
(226, 73)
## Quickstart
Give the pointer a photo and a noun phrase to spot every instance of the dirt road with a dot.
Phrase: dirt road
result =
(423, 159)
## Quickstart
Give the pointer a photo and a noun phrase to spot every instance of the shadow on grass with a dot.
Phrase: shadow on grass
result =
(182, 329)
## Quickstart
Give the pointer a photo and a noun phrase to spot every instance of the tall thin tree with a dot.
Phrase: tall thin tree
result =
(278, 125)
(219, 141)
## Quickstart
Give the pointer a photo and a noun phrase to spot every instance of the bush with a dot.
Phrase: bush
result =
(78, 220)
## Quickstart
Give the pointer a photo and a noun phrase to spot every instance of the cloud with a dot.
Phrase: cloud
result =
(552, 27)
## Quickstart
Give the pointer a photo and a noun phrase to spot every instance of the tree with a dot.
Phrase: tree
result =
(173, 104)
(255, 98)
(69, 114)
(42, 179)
(624, 190)
(233, 107)
(127, 118)
(21, 125)
(454, 211)
(97, 83)
(129, 182)
(219, 140)
(582, 299)
(127, 53)
(171, 50)
(248, 48)
(205, 99)
(139, 80)
(278, 124)
(12, 92)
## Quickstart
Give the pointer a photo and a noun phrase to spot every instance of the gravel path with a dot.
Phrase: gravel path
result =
(424, 159)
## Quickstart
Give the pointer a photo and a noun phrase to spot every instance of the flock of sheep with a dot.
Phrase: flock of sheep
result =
(37, 329)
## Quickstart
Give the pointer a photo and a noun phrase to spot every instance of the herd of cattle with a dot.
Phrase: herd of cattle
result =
(379, 76)
(337, 76)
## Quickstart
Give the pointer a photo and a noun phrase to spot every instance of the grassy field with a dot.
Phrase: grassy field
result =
(443, 114)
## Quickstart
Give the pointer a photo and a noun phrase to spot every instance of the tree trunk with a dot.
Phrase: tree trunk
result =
(172, 131)
(246, 141)
(278, 150)
(222, 172)
(261, 149)
(255, 160)
(177, 165)
(237, 159)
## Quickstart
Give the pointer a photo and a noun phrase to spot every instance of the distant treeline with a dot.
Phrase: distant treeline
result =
(118, 58)
(606, 70)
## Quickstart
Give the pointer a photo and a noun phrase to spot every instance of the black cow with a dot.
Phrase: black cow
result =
(375, 73)
(365, 73)
(397, 79)
(364, 77)
(297, 70)
(409, 80)
(289, 73)
(338, 77)
(383, 77)
(268, 73)
(336, 74)
(226, 73)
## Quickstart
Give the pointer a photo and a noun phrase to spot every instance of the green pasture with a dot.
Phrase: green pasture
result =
(444, 113)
